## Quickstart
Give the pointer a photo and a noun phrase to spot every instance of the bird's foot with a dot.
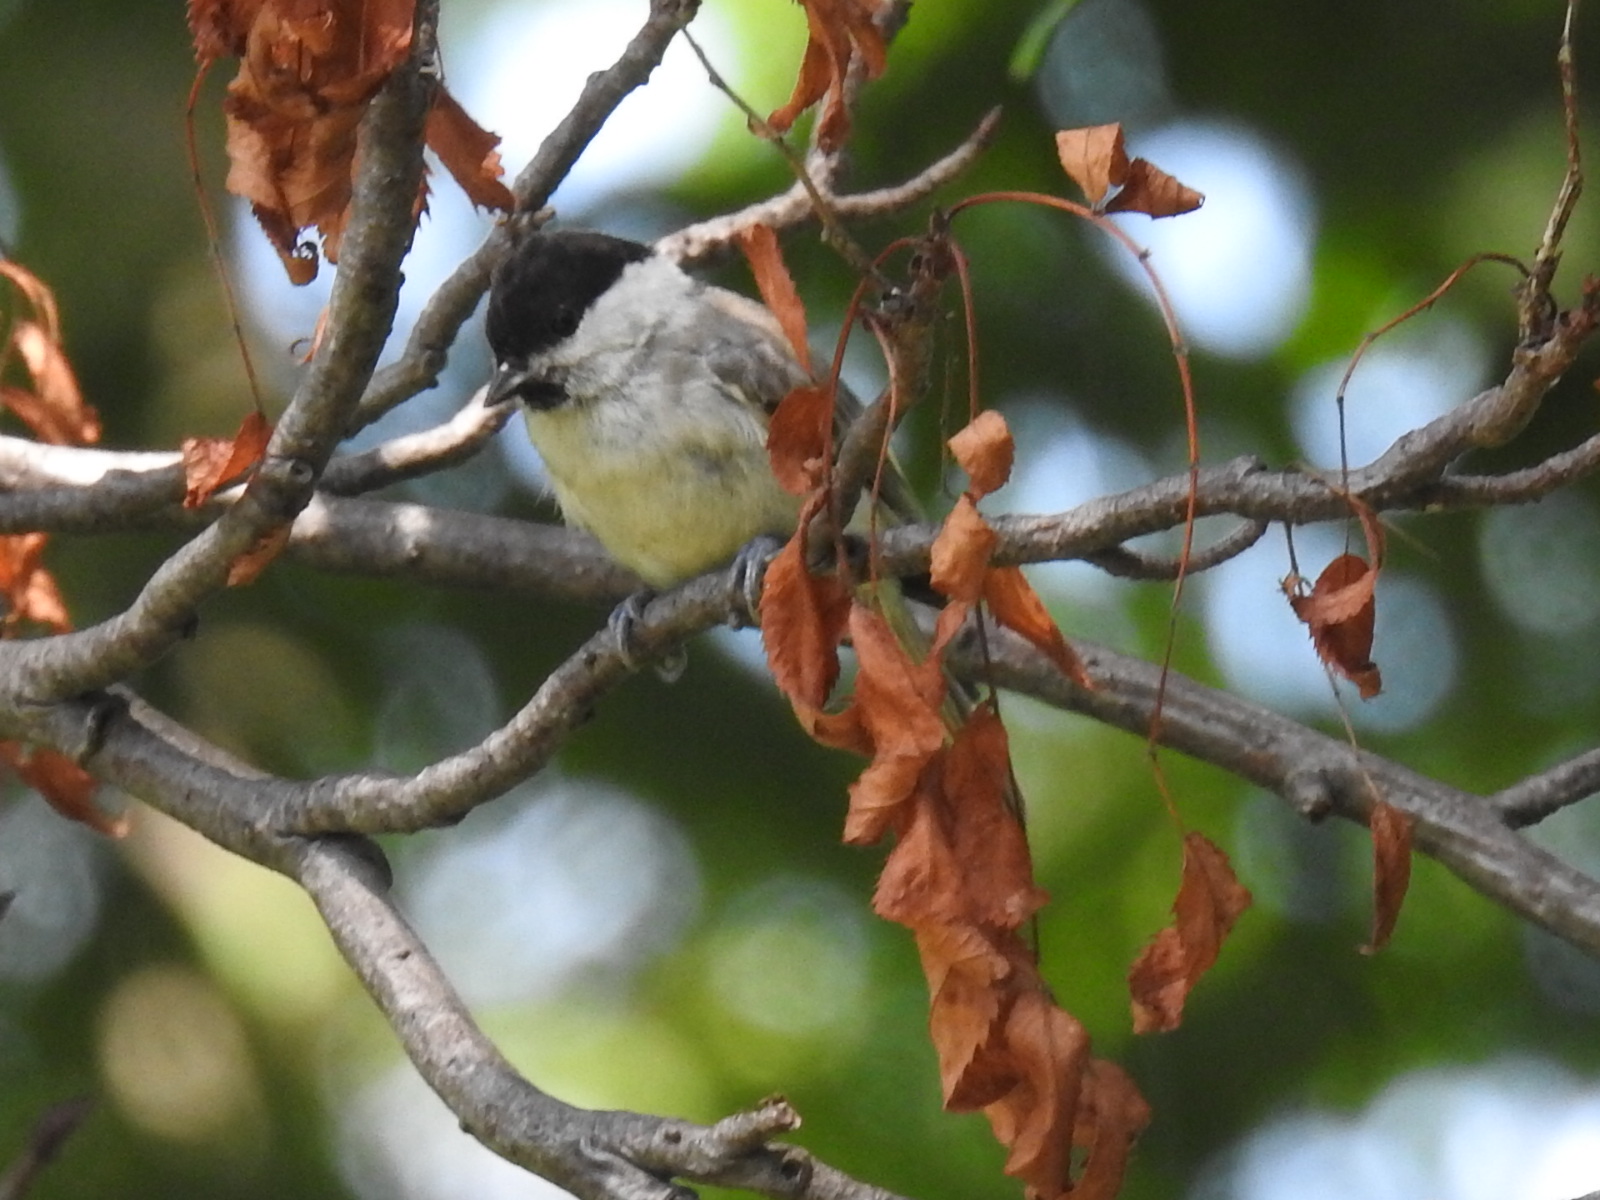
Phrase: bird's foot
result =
(746, 576)
(623, 624)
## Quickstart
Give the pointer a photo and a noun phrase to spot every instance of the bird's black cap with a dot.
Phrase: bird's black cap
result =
(540, 292)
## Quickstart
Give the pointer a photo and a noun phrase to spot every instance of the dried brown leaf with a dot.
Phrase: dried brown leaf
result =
(799, 438)
(760, 246)
(1094, 158)
(1150, 190)
(468, 152)
(1049, 1050)
(960, 554)
(1210, 899)
(837, 29)
(803, 618)
(1341, 612)
(985, 450)
(967, 978)
(1017, 606)
(898, 701)
(68, 420)
(65, 786)
(211, 463)
(1391, 871)
(28, 589)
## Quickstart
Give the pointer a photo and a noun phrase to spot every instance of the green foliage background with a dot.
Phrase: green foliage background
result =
(1428, 131)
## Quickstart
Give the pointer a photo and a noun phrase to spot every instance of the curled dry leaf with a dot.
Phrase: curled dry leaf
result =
(1341, 611)
(1111, 1117)
(1150, 190)
(28, 589)
(985, 450)
(760, 246)
(962, 857)
(1017, 606)
(800, 437)
(1096, 159)
(1210, 899)
(53, 406)
(308, 69)
(837, 30)
(65, 786)
(468, 151)
(247, 568)
(803, 619)
(965, 974)
(1048, 1051)
(1391, 871)
(959, 566)
(899, 703)
(211, 463)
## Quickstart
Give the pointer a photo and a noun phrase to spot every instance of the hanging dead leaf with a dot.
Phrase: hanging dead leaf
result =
(1210, 899)
(247, 568)
(1341, 612)
(985, 832)
(959, 567)
(468, 151)
(898, 701)
(760, 246)
(28, 589)
(800, 438)
(959, 558)
(211, 463)
(922, 882)
(803, 618)
(1111, 1117)
(1014, 603)
(965, 975)
(65, 786)
(836, 30)
(1096, 159)
(1391, 871)
(308, 69)
(1150, 190)
(1035, 1120)
(53, 408)
(984, 449)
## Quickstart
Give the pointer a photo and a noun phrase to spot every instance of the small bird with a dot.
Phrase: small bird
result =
(648, 394)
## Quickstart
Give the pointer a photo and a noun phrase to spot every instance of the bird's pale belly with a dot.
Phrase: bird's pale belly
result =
(670, 516)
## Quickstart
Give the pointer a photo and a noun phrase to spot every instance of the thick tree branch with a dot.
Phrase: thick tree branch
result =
(1318, 775)
(595, 1155)
(361, 311)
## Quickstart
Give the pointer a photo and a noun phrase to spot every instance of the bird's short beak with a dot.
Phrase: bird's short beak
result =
(508, 383)
(518, 381)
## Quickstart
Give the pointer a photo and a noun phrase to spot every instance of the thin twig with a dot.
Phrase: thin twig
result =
(50, 1133)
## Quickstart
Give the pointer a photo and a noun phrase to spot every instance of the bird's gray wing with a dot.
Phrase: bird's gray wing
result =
(748, 352)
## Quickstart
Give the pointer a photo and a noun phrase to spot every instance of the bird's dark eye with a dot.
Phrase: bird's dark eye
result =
(564, 322)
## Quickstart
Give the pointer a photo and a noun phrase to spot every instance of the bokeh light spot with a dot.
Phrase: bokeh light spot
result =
(577, 878)
(1401, 384)
(1238, 270)
(1541, 563)
(177, 1062)
(50, 865)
